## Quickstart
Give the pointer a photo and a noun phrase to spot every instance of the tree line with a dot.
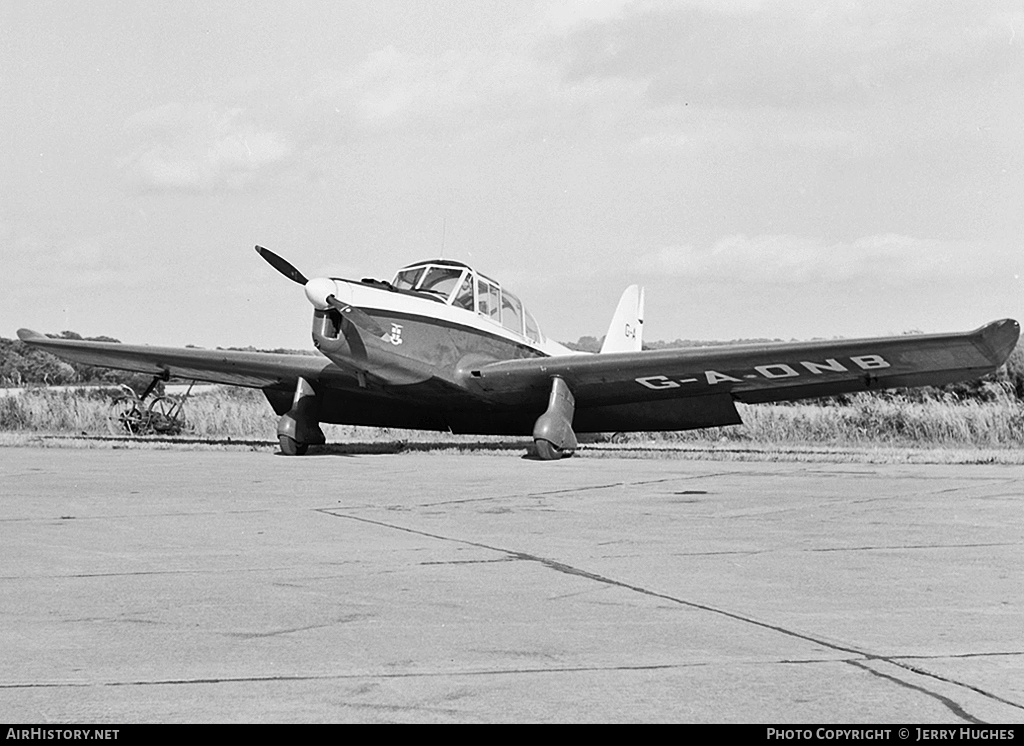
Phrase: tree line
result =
(23, 365)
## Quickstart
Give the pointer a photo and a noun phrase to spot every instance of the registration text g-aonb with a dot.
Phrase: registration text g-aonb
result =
(771, 371)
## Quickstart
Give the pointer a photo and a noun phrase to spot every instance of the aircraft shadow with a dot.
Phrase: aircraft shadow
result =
(394, 447)
(330, 449)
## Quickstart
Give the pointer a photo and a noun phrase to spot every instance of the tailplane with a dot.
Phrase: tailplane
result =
(625, 334)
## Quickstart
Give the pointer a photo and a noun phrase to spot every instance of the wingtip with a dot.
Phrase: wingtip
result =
(26, 335)
(999, 338)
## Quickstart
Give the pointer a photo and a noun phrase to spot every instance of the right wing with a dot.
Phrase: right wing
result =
(697, 387)
(233, 367)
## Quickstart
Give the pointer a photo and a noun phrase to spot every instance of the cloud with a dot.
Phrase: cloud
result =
(201, 148)
(792, 260)
(563, 15)
(51, 264)
(391, 85)
(663, 75)
(393, 88)
(787, 54)
(476, 95)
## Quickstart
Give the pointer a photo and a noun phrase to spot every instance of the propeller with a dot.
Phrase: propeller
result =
(318, 291)
(282, 265)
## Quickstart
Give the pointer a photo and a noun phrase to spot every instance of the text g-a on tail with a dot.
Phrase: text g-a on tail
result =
(625, 334)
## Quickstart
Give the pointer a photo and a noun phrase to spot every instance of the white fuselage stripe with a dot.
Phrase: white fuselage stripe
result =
(372, 299)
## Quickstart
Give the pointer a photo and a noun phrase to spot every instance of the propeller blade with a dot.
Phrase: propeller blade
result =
(357, 316)
(282, 265)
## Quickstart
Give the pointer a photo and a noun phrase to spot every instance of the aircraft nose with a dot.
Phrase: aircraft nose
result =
(317, 291)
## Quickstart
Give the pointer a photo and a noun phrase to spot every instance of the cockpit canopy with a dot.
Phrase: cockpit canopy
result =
(458, 285)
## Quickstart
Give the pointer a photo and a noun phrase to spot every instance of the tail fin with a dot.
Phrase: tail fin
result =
(625, 334)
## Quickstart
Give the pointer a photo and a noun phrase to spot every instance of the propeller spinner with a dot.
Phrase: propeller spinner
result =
(321, 293)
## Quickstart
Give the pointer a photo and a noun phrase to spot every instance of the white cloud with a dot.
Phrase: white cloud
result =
(794, 260)
(200, 148)
(563, 15)
(53, 264)
(501, 95)
(662, 75)
(791, 55)
(392, 85)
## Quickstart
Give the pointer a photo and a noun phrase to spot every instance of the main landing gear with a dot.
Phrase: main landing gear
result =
(292, 447)
(553, 437)
(552, 434)
(299, 427)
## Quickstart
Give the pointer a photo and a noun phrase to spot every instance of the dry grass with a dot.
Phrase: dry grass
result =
(227, 414)
(42, 410)
(867, 421)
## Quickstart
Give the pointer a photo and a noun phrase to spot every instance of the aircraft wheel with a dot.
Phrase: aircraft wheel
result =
(548, 451)
(292, 447)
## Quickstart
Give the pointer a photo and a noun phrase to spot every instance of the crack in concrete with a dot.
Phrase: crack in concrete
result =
(930, 674)
(471, 562)
(269, 678)
(953, 706)
(291, 630)
(869, 548)
(958, 655)
(135, 516)
(141, 573)
(352, 676)
(578, 572)
(910, 546)
(563, 491)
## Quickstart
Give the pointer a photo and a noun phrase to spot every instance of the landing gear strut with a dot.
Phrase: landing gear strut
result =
(552, 433)
(299, 427)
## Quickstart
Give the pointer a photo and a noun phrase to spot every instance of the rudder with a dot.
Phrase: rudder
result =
(625, 333)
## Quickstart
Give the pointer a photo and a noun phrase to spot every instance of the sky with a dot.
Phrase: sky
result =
(784, 169)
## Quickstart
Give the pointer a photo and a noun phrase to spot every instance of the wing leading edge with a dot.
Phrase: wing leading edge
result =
(234, 367)
(695, 387)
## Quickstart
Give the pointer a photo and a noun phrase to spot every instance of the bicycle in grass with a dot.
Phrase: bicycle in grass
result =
(131, 414)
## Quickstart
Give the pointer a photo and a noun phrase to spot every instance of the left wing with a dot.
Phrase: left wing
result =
(696, 387)
(234, 367)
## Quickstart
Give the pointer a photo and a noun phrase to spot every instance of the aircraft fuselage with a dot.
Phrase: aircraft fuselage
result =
(426, 352)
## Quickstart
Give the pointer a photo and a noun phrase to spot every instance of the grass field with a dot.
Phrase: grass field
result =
(867, 420)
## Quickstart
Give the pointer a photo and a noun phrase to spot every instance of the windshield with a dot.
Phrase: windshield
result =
(440, 280)
(461, 287)
(407, 278)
